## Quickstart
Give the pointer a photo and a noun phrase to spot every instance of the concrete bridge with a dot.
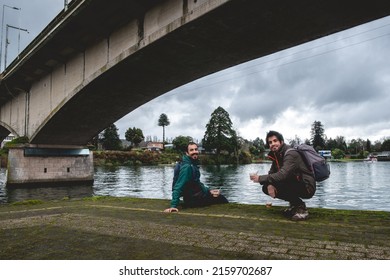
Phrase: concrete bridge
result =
(97, 61)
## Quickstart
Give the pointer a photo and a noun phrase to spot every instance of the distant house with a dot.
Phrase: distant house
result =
(168, 146)
(152, 146)
(201, 149)
(9, 138)
(384, 156)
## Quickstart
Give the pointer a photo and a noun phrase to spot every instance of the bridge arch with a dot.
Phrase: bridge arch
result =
(79, 78)
(98, 61)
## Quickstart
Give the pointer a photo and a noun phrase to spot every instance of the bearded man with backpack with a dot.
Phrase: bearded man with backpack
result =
(188, 184)
(289, 177)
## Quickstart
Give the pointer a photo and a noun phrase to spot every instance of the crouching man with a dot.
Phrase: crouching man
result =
(188, 185)
(288, 179)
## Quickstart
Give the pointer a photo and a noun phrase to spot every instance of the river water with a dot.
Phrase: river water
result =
(352, 185)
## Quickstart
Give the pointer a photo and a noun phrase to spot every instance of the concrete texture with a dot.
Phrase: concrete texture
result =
(97, 61)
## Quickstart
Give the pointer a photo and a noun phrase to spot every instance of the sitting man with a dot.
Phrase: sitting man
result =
(188, 184)
(288, 179)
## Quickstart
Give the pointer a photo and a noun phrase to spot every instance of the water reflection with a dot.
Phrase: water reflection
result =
(3, 191)
(352, 185)
(57, 192)
(362, 185)
(145, 182)
(49, 193)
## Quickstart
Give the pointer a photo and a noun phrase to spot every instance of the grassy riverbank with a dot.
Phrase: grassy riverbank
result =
(130, 228)
(142, 157)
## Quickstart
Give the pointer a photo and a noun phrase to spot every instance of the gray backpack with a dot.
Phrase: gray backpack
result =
(315, 162)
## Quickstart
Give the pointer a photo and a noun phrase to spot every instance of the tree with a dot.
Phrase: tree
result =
(181, 142)
(386, 145)
(258, 147)
(337, 143)
(111, 139)
(377, 146)
(368, 145)
(295, 142)
(341, 143)
(163, 121)
(95, 141)
(317, 135)
(353, 147)
(219, 133)
(134, 135)
(338, 154)
(356, 147)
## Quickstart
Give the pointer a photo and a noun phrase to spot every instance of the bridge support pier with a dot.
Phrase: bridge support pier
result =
(39, 166)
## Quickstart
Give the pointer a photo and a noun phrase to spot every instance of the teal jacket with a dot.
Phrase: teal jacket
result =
(188, 183)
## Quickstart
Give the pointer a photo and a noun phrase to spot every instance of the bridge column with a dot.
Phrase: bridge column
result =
(29, 165)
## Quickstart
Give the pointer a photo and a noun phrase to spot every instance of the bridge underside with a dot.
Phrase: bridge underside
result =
(237, 32)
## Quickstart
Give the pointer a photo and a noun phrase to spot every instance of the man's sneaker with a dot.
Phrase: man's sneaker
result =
(290, 211)
(301, 213)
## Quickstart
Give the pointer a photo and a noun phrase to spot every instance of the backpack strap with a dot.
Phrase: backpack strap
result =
(176, 172)
(301, 155)
(292, 149)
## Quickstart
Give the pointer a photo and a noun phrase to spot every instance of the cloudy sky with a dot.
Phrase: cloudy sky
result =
(342, 80)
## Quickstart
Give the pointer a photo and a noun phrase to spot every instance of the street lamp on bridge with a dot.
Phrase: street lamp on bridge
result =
(7, 42)
(2, 30)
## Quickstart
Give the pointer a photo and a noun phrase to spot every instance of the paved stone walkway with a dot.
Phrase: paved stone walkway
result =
(212, 231)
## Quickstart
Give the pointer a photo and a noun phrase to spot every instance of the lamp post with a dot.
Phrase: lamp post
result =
(2, 29)
(7, 43)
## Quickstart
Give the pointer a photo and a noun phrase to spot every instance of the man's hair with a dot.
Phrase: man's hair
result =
(191, 143)
(273, 133)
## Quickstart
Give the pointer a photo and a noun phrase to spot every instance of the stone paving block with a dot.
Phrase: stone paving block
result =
(132, 220)
(302, 252)
(275, 249)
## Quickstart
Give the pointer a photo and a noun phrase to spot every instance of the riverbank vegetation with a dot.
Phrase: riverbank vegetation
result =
(145, 157)
(221, 144)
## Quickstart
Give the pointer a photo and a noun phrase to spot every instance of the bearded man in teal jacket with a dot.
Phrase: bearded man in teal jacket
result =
(189, 186)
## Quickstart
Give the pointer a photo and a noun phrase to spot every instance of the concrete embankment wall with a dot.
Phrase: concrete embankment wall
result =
(62, 166)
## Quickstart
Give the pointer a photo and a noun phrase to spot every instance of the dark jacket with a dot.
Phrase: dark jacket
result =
(188, 183)
(287, 167)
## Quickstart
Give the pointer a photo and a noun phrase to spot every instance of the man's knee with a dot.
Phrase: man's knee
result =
(270, 190)
(310, 191)
(265, 189)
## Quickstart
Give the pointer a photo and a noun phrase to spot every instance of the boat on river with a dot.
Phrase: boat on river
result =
(371, 158)
(383, 156)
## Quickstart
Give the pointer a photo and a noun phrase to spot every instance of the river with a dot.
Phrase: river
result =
(352, 185)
